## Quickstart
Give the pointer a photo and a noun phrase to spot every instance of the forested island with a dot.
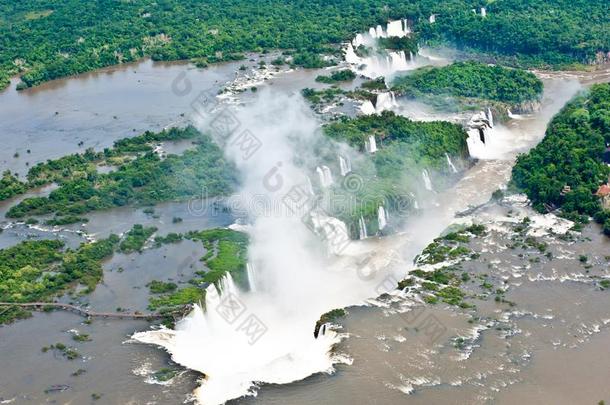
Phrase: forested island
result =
(139, 176)
(568, 167)
(42, 42)
(471, 82)
(393, 174)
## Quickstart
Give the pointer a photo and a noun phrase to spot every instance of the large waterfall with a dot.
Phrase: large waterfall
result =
(380, 62)
(239, 338)
(384, 101)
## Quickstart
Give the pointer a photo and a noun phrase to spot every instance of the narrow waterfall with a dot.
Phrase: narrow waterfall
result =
(328, 178)
(325, 176)
(427, 181)
(450, 163)
(382, 217)
(362, 228)
(371, 144)
(483, 12)
(251, 277)
(432, 18)
(310, 186)
(345, 165)
(490, 118)
(358, 40)
(415, 203)
(372, 32)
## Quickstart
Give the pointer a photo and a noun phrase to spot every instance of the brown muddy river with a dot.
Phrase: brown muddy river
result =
(549, 348)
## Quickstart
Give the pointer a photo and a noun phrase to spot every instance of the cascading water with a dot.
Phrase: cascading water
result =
(345, 165)
(251, 277)
(362, 229)
(380, 62)
(490, 118)
(385, 101)
(331, 230)
(382, 217)
(450, 163)
(326, 179)
(371, 144)
(427, 182)
(367, 108)
(309, 185)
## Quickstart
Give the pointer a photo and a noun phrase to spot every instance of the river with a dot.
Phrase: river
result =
(392, 363)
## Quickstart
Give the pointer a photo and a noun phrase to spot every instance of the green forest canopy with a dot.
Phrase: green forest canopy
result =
(141, 176)
(472, 79)
(48, 39)
(571, 154)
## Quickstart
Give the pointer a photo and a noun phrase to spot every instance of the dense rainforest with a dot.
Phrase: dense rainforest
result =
(571, 154)
(46, 39)
(472, 80)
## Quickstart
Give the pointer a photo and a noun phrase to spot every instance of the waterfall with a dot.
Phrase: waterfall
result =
(345, 165)
(397, 61)
(251, 277)
(450, 163)
(382, 217)
(350, 55)
(426, 178)
(432, 18)
(407, 30)
(326, 178)
(310, 186)
(381, 62)
(479, 127)
(332, 230)
(385, 101)
(362, 228)
(379, 32)
(483, 12)
(513, 116)
(367, 108)
(371, 144)
(358, 40)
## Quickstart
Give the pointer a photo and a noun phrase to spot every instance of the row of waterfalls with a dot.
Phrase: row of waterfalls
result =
(379, 62)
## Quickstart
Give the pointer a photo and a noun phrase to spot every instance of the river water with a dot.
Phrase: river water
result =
(555, 352)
